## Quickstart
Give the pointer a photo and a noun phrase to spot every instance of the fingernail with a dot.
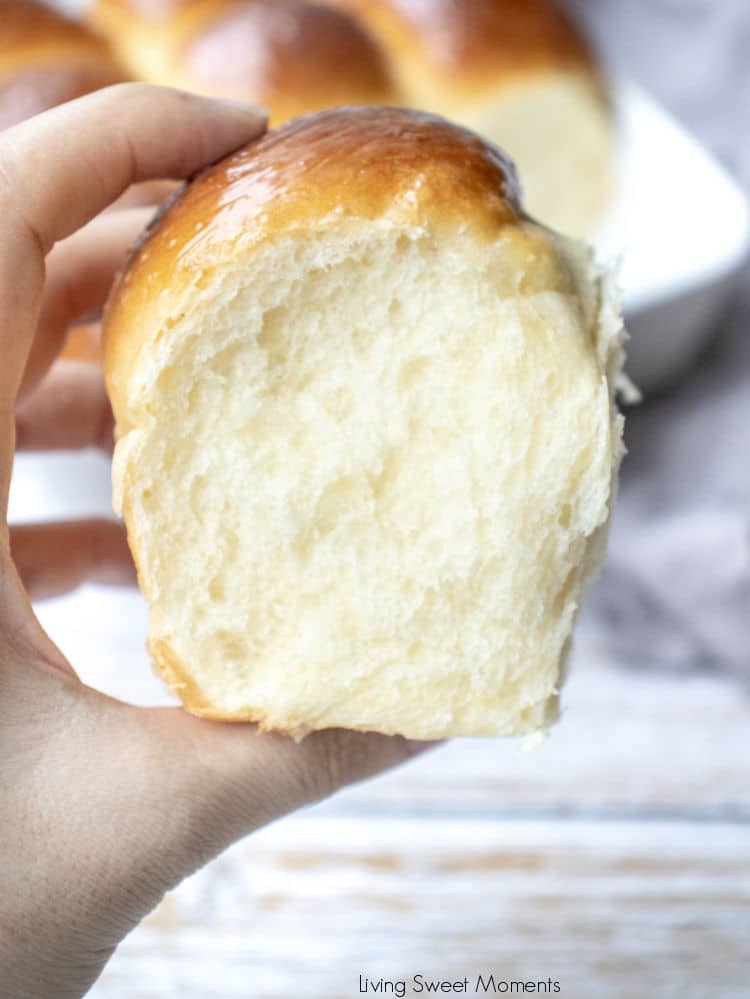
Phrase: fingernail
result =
(245, 108)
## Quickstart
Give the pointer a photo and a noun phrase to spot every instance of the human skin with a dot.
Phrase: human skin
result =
(104, 806)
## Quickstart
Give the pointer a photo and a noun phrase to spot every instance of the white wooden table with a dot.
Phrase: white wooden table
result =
(615, 859)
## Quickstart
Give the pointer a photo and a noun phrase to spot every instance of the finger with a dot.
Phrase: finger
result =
(122, 134)
(60, 169)
(80, 271)
(69, 409)
(52, 559)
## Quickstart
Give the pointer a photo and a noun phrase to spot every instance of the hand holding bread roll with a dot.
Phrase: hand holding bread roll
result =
(367, 441)
(137, 798)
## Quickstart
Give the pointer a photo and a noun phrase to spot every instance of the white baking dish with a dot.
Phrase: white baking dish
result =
(680, 226)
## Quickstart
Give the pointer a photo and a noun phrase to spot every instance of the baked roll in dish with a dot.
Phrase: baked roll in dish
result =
(47, 59)
(520, 73)
(367, 444)
(289, 55)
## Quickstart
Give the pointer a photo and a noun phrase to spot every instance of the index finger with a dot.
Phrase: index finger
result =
(61, 168)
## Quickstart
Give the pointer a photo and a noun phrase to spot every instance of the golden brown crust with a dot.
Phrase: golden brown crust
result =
(355, 161)
(46, 59)
(463, 47)
(293, 56)
(408, 167)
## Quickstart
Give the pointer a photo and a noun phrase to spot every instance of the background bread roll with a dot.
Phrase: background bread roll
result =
(289, 55)
(46, 59)
(366, 438)
(521, 73)
(148, 35)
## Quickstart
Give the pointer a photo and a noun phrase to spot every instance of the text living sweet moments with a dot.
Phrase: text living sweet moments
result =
(483, 984)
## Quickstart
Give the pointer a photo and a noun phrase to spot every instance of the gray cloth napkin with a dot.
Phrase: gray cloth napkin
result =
(676, 588)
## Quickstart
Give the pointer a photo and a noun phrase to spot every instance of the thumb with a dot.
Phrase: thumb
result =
(239, 778)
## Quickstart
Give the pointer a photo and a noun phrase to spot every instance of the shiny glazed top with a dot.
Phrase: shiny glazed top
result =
(357, 162)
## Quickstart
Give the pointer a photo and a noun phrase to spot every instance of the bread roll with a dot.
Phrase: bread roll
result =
(149, 35)
(366, 436)
(520, 73)
(289, 55)
(46, 59)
